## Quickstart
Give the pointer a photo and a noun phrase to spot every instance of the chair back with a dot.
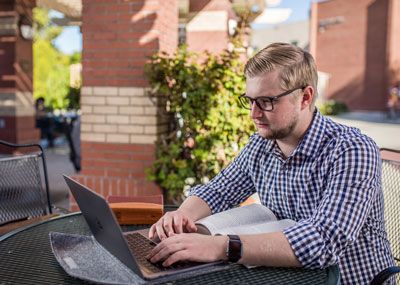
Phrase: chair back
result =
(391, 192)
(21, 190)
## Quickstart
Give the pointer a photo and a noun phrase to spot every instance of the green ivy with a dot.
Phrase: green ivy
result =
(207, 125)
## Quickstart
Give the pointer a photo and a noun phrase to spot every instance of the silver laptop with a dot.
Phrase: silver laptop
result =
(130, 248)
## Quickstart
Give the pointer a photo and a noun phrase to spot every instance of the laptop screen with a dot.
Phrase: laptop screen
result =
(102, 223)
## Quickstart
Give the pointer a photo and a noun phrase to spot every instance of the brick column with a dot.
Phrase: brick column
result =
(314, 29)
(17, 114)
(208, 25)
(120, 122)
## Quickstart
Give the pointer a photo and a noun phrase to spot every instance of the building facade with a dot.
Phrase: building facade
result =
(297, 33)
(17, 112)
(120, 121)
(357, 44)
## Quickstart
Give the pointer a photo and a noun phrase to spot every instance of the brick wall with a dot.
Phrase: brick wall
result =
(351, 44)
(167, 25)
(117, 169)
(196, 40)
(208, 25)
(120, 120)
(210, 5)
(120, 115)
(119, 35)
(17, 121)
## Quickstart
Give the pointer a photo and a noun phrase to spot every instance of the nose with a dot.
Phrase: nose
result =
(255, 111)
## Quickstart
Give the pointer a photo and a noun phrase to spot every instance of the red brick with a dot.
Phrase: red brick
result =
(103, 38)
(93, 171)
(98, 185)
(355, 52)
(106, 185)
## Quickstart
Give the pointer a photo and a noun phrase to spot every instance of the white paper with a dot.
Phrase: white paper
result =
(250, 219)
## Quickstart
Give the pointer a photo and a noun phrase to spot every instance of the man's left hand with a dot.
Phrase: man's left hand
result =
(189, 247)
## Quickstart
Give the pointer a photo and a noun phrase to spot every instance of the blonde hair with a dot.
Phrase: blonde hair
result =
(296, 66)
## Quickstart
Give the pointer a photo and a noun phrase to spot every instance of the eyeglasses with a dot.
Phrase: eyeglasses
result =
(264, 103)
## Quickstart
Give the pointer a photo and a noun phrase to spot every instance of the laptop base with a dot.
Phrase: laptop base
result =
(84, 258)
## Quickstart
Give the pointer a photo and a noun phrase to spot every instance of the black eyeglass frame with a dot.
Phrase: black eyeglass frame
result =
(271, 99)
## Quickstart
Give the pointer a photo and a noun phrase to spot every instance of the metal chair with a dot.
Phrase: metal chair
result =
(391, 192)
(21, 192)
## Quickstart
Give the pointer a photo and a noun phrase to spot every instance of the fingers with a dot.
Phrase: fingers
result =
(188, 247)
(165, 249)
(152, 231)
(163, 228)
(169, 251)
(178, 224)
(182, 222)
(160, 230)
(190, 226)
(171, 223)
(175, 257)
(168, 225)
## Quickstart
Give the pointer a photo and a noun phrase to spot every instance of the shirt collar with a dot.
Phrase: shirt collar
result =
(311, 141)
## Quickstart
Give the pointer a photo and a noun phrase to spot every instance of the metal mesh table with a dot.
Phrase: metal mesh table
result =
(26, 258)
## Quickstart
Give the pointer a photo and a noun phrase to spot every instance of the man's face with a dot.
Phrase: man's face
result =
(282, 120)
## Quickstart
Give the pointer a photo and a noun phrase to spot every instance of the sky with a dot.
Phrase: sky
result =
(71, 38)
(300, 9)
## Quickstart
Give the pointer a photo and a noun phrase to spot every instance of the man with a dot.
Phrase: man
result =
(393, 103)
(44, 121)
(304, 167)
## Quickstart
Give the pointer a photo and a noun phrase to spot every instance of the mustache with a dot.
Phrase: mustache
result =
(261, 123)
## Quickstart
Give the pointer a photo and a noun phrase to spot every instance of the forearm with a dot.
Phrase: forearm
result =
(271, 249)
(195, 208)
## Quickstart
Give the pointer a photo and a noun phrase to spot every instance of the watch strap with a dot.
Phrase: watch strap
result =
(234, 248)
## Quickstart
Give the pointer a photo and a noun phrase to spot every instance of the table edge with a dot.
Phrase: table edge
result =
(333, 271)
(21, 229)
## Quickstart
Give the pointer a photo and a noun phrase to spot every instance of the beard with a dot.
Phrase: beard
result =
(279, 133)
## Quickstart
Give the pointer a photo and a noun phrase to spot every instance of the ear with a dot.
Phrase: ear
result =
(307, 98)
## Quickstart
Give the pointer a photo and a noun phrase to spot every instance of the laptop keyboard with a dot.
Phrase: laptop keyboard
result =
(141, 246)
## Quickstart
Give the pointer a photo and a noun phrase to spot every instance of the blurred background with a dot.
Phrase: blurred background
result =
(73, 74)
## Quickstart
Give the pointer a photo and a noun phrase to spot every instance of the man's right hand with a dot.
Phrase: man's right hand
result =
(171, 223)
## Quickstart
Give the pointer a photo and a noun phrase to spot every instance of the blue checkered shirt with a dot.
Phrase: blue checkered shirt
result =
(330, 185)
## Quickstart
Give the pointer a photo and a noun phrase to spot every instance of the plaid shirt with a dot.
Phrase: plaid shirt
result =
(330, 185)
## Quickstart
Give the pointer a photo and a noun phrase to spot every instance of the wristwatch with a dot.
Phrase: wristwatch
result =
(234, 248)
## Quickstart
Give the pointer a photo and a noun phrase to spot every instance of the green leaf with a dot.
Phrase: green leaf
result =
(51, 67)
(208, 113)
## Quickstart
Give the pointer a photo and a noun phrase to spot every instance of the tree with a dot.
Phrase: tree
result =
(50, 66)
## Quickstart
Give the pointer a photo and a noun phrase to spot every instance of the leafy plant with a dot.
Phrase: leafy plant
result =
(207, 125)
(51, 77)
(332, 107)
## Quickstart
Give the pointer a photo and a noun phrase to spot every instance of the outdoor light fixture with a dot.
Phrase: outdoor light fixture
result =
(26, 32)
(12, 25)
(26, 29)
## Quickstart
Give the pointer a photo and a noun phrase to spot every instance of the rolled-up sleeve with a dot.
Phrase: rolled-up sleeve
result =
(353, 181)
(232, 185)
